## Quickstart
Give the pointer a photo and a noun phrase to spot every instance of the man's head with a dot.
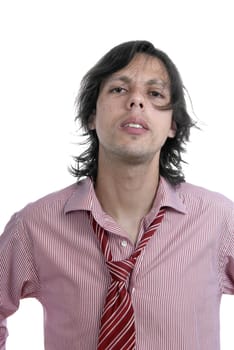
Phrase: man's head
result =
(171, 85)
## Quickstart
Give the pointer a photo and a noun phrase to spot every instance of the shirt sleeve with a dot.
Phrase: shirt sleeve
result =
(226, 261)
(18, 273)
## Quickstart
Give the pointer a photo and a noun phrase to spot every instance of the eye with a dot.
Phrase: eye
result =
(118, 90)
(155, 93)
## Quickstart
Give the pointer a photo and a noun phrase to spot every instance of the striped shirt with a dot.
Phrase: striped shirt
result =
(49, 251)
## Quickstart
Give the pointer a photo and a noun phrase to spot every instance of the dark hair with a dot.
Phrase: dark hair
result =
(114, 60)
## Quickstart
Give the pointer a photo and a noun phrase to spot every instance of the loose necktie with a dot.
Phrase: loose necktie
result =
(117, 330)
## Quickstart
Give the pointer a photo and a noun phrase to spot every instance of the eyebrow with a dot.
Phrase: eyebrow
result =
(150, 82)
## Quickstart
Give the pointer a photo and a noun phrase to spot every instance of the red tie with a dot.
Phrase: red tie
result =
(117, 331)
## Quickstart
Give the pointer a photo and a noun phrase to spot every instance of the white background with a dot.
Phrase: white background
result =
(46, 48)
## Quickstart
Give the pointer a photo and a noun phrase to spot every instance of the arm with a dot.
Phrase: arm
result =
(3, 334)
(18, 275)
(226, 256)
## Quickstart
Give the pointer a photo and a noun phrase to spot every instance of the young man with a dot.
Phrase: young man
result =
(131, 256)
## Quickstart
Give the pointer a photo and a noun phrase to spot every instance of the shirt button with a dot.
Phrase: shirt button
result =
(124, 244)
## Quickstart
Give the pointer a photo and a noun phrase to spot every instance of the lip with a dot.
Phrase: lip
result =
(129, 129)
(134, 120)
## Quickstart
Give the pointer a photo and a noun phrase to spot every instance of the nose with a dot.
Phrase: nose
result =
(136, 100)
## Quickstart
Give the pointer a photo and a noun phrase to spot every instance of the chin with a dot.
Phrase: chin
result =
(136, 158)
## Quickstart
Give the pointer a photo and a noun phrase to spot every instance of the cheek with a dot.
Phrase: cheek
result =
(164, 124)
(164, 119)
(106, 116)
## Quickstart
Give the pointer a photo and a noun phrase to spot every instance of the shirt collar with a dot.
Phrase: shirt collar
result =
(169, 196)
(84, 198)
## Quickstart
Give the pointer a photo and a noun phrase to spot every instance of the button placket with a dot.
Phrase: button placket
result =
(124, 243)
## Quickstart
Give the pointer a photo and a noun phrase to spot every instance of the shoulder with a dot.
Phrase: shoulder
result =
(46, 215)
(51, 203)
(193, 195)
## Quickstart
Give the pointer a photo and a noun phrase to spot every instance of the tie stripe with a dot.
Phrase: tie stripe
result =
(117, 330)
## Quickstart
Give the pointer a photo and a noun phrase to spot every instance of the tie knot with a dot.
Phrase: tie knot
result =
(121, 270)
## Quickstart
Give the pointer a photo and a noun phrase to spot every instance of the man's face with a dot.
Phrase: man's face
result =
(128, 122)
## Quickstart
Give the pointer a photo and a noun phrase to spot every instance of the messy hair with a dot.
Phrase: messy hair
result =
(170, 167)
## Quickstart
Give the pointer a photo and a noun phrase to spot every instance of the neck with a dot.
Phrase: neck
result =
(127, 192)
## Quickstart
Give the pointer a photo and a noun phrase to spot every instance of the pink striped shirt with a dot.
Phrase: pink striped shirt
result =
(49, 251)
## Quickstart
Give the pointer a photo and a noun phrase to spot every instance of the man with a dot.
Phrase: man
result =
(131, 256)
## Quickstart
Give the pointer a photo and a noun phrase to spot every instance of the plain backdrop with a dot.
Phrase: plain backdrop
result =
(46, 48)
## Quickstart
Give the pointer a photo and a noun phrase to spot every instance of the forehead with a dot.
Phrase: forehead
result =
(143, 68)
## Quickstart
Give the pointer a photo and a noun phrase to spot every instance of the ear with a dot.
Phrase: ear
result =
(92, 121)
(172, 130)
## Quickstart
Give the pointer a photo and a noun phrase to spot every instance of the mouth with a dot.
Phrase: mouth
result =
(136, 123)
(134, 126)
